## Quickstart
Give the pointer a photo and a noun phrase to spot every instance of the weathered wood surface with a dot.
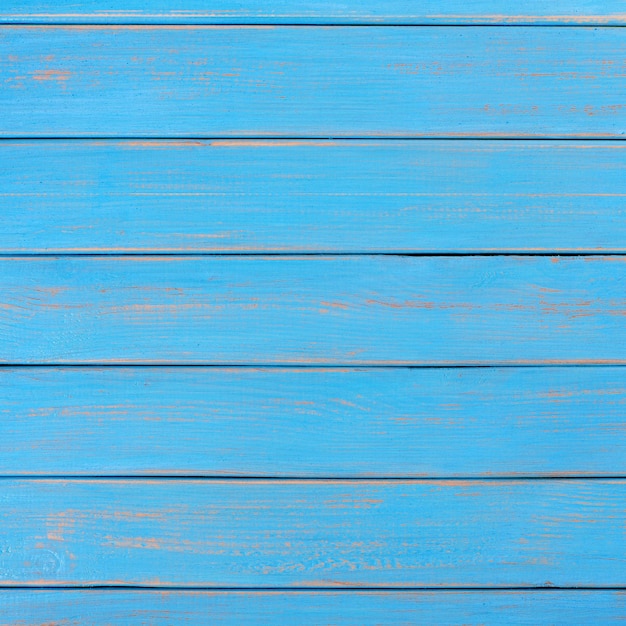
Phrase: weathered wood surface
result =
(313, 422)
(312, 82)
(316, 310)
(357, 608)
(573, 12)
(311, 534)
(312, 196)
(171, 127)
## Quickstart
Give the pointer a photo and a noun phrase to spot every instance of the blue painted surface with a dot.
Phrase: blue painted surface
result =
(314, 534)
(312, 196)
(356, 608)
(574, 12)
(313, 422)
(494, 442)
(312, 81)
(315, 310)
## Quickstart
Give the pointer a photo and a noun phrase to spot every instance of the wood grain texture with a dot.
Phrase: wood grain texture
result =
(274, 139)
(313, 422)
(574, 12)
(312, 534)
(312, 196)
(312, 82)
(382, 310)
(356, 608)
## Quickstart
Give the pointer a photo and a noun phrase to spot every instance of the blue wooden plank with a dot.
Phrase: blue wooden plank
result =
(312, 196)
(320, 11)
(381, 310)
(357, 608)
(310, 81)
(314, 533)
(313, 422)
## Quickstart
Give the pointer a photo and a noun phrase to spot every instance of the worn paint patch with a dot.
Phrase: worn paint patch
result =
(52, 75)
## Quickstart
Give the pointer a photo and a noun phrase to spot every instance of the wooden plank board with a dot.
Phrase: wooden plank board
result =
(309, 422)
(380, 310)
(312, 82)
(574, 12)
(358, 608)
(312, 196)
(314, 534)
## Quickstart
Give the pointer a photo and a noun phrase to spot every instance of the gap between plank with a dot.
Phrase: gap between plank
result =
(346, 590)
(150, 253)
(304, 479)
(350, 366)
(219, 24)
(269, 138)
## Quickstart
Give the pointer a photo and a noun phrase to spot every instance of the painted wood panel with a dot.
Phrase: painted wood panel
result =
(312, 82)
(257, 473)
(312, 196)
(313, 422)
(382, 310)
(358, 608)
(314, 534)
(574, 12)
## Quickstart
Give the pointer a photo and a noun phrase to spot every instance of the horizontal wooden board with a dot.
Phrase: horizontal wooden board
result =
(312, 196)
(306, 608)
(574, 12)
(313, 422)
(312, 81)
(380, 310)
(312, 534)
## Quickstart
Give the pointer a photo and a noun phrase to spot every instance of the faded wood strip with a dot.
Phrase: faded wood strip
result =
(294, 196)
(303, 533)
(313, 422)
(359, 310)
(311, 81)
(359, 608)
(575, 12)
